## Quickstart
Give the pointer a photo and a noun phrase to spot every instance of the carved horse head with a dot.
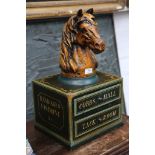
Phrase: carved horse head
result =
(87, 33)
(80, 40)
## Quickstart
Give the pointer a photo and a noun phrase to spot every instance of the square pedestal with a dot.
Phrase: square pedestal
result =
(76, 114)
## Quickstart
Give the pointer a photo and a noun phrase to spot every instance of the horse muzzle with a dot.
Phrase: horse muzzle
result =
(99, 46)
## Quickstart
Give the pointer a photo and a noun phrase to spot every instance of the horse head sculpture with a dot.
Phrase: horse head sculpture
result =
(80, 42)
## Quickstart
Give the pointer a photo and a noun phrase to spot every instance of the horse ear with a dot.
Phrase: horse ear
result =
(80, 13)
(90, 11)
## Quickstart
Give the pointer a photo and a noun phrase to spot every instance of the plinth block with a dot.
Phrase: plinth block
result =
(76, 114)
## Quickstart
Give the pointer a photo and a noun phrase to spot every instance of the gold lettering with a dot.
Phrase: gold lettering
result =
(50, 106)
(88, 124)
(113, 93)
(87, 104)
(114, 113)
(80, 106)
(108, 115)
(107, 95)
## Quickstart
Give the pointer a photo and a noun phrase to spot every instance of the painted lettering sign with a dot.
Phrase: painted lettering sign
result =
(97, 99)
(50, 110)
(97, 120)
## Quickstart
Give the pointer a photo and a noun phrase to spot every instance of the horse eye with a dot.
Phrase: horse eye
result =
(93, 19)
(82, 29)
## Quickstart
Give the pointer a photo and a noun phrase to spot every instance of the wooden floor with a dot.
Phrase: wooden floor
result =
(115, 142)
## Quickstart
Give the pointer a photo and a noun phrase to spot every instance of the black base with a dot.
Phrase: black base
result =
(72, 147)
(75, 114)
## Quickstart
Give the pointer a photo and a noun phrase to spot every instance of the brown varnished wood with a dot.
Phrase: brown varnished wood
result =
(80, 42)
(115, 142)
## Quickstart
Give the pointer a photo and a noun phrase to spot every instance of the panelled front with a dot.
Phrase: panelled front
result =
(97, 108)
(51, 110)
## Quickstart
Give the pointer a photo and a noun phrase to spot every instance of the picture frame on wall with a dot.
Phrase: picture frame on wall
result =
(54, 9)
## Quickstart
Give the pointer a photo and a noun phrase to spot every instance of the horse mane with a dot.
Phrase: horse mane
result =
(68, 35)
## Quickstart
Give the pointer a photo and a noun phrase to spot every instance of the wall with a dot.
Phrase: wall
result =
(121, 22)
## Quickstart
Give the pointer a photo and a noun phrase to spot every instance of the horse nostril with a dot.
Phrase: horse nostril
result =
(97, 45)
